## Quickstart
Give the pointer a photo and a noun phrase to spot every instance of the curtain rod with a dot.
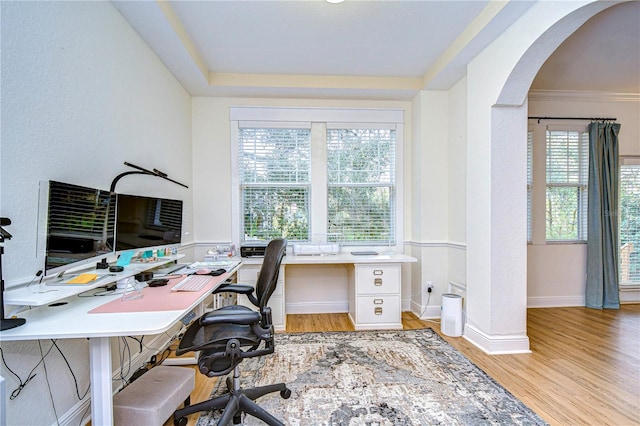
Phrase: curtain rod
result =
(572, 118)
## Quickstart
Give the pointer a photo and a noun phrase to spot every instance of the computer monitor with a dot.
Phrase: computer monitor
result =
(147, 222)
(76, 225)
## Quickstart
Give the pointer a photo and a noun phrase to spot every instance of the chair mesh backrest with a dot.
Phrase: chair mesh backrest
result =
(268, 276)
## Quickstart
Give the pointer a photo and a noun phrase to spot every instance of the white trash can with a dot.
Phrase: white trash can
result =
(451, 315)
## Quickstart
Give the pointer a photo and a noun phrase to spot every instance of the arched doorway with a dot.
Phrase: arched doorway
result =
(498, 82)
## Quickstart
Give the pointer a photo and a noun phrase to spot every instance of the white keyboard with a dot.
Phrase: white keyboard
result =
(192, 283)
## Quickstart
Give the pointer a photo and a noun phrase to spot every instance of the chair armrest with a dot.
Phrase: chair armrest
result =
(235, 288)
(245, 289)
(243, 317)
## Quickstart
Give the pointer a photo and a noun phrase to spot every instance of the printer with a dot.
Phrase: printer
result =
(253, 248)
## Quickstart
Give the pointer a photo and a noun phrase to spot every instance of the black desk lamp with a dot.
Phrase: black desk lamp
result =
(141, 171)
(7, 323)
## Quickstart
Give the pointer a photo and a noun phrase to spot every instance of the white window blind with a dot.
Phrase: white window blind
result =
(529, 181)
(274, 174)
(629, 226)
(318, 175)
(567, 175)
(361, 186)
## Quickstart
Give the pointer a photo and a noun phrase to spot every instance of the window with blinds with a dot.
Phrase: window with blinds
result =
(567, 176)
(319, 175)
(274, 174)
(629, 225)
(529, 181)
(360, 181)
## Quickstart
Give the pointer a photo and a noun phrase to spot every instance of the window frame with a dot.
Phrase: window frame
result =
(259, 186)
(633, 161)
(582, 187)
(319, 119)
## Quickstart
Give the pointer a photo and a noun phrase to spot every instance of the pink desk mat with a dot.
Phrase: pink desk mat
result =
(159, 298)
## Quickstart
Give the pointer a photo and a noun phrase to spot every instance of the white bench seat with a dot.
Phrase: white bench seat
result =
(154, 396)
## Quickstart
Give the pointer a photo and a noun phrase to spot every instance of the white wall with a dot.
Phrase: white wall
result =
(429, 238)
(81, 94)
(556, 273)
(457, 164)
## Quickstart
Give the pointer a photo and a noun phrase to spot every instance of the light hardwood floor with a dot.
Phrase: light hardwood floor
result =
(584, 368)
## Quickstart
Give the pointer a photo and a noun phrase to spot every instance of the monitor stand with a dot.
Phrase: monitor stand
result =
(6, 323)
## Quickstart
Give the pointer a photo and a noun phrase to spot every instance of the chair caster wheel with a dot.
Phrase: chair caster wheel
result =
(286, 394)
(182, 421)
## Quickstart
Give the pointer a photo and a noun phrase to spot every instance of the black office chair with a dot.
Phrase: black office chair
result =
(227, 335)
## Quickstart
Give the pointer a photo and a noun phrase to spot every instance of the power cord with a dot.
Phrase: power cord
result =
(75, 380)
(30, 376)
(121, 351)
(46, 378)
(429, 290)
(139, 341)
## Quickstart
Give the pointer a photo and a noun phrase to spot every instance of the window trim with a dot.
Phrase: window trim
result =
(581, 187)
(324, 117)
(630, 160)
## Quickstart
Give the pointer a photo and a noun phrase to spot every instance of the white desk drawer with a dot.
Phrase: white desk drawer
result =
(378, 309)
(378, 279)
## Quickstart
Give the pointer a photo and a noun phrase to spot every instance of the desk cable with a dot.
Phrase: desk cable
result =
(46, 378)
(30, 376)
(425, 309)
(121, 351)
(38, 274)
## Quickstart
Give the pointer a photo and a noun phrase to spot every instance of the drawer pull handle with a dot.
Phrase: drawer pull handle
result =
(377, 281)
(378, 301)
(378, 272)
(378, 311)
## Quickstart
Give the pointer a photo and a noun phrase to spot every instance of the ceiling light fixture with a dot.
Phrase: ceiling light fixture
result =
(334, 1)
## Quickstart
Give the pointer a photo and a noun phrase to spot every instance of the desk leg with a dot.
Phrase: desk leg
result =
(101, 390)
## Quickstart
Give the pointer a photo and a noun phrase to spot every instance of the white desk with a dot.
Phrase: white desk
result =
(72, 320)
(45, 294)
(374, 286)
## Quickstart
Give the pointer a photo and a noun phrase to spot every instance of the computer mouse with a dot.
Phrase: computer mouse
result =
(159, 282)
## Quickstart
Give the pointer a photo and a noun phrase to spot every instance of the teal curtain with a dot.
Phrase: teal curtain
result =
(602, 223)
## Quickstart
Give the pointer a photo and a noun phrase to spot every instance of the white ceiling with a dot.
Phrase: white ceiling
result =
(357, 49)
(601, 56)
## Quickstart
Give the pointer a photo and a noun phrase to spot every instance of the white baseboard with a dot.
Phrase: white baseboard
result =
(630, 295)
(627, 295)
(497, 345)
(555, 301)
(189, 360)
(317, 307)
(431, 312)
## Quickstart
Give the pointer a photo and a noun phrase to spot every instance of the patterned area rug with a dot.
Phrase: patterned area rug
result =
(405, 377)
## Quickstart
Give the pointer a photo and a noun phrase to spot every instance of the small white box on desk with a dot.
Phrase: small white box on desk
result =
(316, 249)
